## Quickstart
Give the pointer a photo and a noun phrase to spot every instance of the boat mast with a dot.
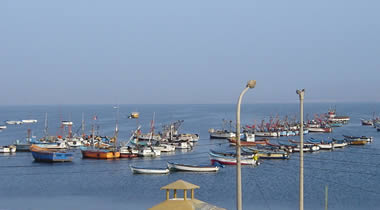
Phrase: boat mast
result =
(82, 124)
(46, 126)
(152, 127)
(116, 127)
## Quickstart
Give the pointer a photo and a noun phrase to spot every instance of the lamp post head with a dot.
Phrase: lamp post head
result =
(251, 83)
(300, 91)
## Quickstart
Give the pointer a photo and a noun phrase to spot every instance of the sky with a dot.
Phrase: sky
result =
(188, 52)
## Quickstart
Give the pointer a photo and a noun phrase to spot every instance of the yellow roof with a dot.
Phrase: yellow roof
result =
(185, 205)
(180, 185)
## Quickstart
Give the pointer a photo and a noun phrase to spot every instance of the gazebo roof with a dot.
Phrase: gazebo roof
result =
(180, 185)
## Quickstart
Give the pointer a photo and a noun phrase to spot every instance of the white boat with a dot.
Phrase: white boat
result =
(148, 152)
(181, 145)
(7, 149)
(28, 121)
(140, 170)
(340, 144)
(66, 123)
(128, 152)
(228, 160)
(164, 147)
(13, 122)
(312, 148)
(74, 142)
(192, 168)
(2, 127)
(266, 134)
(221, 134)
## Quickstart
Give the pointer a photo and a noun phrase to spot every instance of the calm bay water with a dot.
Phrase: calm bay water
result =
(350, 173)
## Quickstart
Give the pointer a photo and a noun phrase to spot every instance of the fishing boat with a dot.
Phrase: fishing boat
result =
(148, 151)
(2, 127)
(134, 115)
(359, 138)
(28, 121)
(267, 154)
(192, 168)
(321, 130)
(325, 145)
(339, 143)
(248, 143)
(226, 160)
(7, 149)
(221, 134)
(99, 153)
(128, 152)
(367, 122)
(13, 122)
(23, 146)
(243, 154)
(143, 170)
(357, 142)
(296, 146)
(48, 155)
(267, 134)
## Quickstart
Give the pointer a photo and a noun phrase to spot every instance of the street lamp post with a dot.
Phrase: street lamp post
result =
(250, 84)
(301, 94)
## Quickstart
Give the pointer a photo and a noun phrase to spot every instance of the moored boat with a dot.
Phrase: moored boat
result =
(359, 138)
(267, 154)
(192, 168)
(221, 134)
(143, 170)
(99, 153)
(49, 155)
(7, 149)
(226, 160)
(128, 152)
(367, 122)
(248, 143)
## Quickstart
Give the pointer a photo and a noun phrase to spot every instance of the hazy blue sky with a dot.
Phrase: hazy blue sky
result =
(198, 51)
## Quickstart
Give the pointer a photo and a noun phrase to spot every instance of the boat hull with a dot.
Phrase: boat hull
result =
(137, 170)
(98, 154)
(191, 168)
(45, 155)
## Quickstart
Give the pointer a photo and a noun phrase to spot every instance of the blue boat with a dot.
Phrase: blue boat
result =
(47, 155)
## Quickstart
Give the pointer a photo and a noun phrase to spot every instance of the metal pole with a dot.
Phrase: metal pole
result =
(239, 199)
(301, 94)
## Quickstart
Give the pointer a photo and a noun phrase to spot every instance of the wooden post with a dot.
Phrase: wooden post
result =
(167, 194)
(192, 194)
(175, 193)
(184, 194)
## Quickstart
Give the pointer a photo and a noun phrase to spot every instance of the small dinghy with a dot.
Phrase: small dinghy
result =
(143, 170)
(192, 168)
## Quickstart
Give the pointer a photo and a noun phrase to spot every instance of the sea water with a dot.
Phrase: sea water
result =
(351, 173)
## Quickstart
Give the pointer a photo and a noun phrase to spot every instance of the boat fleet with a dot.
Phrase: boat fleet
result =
(61, 148)
(374, 122)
